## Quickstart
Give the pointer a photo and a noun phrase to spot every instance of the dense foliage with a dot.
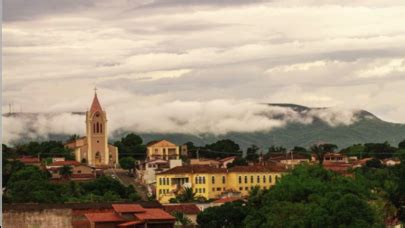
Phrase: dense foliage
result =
(28, 184)
(131, 146)
(311, 196)
(45, 149)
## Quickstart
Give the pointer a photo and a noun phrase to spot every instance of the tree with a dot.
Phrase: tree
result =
(299, 150)
(186, 195)
(127, 163)
(65, 171)
(131, 145)
(379, 150)
(73, 137)
(181, 218)
(374, 163)
(252, 153)
(401, 145)
(321, 149)
(311, 196)
(220, 149)
(229, 215)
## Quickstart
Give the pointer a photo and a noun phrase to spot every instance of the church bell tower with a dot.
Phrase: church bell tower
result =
(97, 138)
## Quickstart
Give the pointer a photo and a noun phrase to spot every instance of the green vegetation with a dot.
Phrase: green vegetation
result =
(28, 184)
(131, 146)
(181, 219)
(127, 163)
(310, 196)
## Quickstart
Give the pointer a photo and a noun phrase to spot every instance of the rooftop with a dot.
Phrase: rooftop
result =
(128, 208)
(29, 159)
(154, 214)
(62, 163)
(257, 169)
(194, 169)
(103, 217)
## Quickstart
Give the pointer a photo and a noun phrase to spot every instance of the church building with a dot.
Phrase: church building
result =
(93, 149)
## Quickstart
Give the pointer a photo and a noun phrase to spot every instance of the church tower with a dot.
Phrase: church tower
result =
(97, 137)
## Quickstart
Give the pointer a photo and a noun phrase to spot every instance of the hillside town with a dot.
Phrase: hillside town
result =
(89, 182)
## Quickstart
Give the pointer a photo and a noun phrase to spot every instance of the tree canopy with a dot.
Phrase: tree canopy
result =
(131, 145)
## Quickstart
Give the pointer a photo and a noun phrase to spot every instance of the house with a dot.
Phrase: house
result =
(290, 159)
(205, 161)
(30, 160)
(147, 170)
(189, 210)
(79, 171)
(335, 157)
(162, 149)
(131, 215)
(225, 161)
(361, 162)
(212, 182)
(391, 161)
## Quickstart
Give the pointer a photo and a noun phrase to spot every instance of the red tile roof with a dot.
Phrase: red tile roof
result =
(95, 105)
(130, 223)
(128, 208)
(29, 160)
(184, 208)
(257, 169)
(103, 217)
(227, 199)
(194, 169)
(62, 163)
(227, 159)
(154, 214)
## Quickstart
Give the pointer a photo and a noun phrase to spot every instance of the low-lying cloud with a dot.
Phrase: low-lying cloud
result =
(216, 117)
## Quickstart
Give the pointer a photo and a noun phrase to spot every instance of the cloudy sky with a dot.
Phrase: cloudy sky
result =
(192, 54)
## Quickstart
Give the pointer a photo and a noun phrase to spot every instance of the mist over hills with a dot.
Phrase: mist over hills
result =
(301, 126)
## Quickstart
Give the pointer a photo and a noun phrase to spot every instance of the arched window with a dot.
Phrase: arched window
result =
(246, 178)
(98, 128)
(223, 179)
(240, 180)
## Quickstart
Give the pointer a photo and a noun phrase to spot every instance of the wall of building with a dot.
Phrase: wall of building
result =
(45, 218)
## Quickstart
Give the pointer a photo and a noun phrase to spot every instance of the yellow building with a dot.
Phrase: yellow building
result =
(162, 149)
(212, 182)
(94, 149)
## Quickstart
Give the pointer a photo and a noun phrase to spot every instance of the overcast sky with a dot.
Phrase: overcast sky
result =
(340, 53)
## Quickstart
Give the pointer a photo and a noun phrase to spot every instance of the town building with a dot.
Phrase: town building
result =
(205, 161)
(79, 171)
(212, 182)
(146, 171)
(189, 210)
(94, 149)
(29, 160)
(162, 149)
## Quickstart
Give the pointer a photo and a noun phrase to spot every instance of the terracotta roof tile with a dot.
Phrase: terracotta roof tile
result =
(184, 208)
(227, 199)
(128, 208)
(194, 169)
(257, 169)
(62, 163)
(103, 217)
(154, 214)
(29, 160)
(130, 223)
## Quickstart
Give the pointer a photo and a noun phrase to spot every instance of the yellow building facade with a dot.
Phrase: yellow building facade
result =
(212, 182)
(162, 149)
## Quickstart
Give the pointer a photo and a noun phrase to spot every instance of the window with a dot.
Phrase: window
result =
(240, 188)
(264, 179)
(160, 191)
(240, 180)
(251, 179)
(223, 179)
(160, 181)
(213, 180)
(258, 179)
(196, 180)
(98, 128)
(203, 190)
(168, 181)
(245, 179)
(270, 179)
(213, 189)
(79, 171)
(203, 180)
(218, 189)
(246, 188)
(199, 180)
(164, 181)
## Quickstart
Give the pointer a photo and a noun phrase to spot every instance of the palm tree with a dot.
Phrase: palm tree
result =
(65, 171)
(181, 218)
(187, 195)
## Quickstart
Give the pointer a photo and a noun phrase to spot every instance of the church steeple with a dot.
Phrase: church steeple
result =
(95, 105)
